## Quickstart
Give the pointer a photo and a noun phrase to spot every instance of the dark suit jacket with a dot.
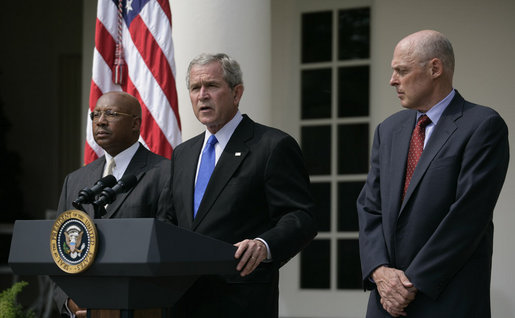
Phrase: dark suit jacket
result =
(259, 188)
(150, 198)
(441, 235)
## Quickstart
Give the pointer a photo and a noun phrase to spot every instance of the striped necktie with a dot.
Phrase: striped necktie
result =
(110, 166)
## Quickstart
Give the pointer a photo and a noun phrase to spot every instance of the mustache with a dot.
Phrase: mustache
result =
(102, 130)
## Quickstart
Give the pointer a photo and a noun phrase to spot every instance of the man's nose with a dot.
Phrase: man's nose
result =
(102, 120)
(203, 93)
(394, 80)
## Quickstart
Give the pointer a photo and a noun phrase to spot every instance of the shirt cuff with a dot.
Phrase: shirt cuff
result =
(268, 253)
(72, 315)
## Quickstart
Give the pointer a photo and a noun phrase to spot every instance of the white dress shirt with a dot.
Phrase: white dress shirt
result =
(223, 136)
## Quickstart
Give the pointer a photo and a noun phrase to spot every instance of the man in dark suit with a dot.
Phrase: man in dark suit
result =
(256, 198)
(116, 122)
(426, 240)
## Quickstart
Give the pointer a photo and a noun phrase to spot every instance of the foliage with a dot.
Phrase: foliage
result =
(9, 308)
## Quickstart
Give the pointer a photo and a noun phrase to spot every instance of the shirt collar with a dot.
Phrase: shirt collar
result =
(122, 159)
(225, 133)
(437, 110)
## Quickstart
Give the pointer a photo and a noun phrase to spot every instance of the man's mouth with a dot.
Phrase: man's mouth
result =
(102, 133)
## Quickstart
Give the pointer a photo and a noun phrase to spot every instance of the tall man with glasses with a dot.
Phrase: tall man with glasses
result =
(116, 122)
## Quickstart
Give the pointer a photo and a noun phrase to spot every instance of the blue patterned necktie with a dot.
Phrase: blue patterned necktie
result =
(207, 165)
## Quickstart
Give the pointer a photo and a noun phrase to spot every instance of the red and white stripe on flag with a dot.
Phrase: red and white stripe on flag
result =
(149, 75)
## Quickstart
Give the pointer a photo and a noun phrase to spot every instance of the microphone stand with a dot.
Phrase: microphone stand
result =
(100, 211)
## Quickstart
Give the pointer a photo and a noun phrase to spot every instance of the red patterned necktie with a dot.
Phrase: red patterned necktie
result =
(416, 146)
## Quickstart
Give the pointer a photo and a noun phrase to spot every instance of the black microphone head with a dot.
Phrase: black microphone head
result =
(128, 181)
(107, 181)
(87, 195)
(109, 194)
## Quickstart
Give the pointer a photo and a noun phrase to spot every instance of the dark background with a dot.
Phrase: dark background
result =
(40, 128)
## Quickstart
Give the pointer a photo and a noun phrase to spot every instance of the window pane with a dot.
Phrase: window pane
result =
(322, 195)
(353, 148)
(316, 148)
(354, 34)
(316, 93)
(353, 91)
(347, 213)
(315, 265)
(349, 268)
(317, 36)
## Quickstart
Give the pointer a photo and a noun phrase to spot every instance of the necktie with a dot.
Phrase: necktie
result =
(110, 166)
(207, 165)
(415, 149)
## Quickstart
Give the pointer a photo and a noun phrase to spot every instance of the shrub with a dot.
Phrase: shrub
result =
(9, 308)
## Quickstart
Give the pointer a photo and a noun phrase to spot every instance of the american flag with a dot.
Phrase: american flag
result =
(134, 53)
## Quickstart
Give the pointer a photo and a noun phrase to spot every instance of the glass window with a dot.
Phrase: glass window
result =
(349, 266)
(353, 91)
(315, 264)
(321, 192)
(352, 148)
(354, 34)
(348, 192)
(316, 93)
(334, 126)
(317, 33)
(316, 148)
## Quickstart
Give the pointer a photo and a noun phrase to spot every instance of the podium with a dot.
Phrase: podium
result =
(140, 263)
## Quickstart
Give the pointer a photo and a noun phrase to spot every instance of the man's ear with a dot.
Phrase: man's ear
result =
(136, 124)
(237, 93)
(436, 67)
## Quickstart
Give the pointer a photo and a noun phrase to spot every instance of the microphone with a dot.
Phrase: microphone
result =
(108, 195)
(87, 195)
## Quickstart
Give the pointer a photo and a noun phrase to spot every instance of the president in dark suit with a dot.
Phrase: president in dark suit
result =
(256, 198)
(425, 213)
(116, 122)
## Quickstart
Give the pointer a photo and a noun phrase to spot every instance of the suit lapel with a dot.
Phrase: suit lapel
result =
(398, 157)
(137, 167)
(189, 170)
(441, 133)
(231, 158)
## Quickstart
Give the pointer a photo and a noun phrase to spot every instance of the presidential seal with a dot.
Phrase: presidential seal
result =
(73, 241)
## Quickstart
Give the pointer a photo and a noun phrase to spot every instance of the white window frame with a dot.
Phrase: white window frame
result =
(294, 301)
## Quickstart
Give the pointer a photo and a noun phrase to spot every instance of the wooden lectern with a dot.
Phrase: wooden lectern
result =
(142, 266)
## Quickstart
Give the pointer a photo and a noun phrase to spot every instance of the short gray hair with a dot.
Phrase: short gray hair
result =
(231, 69)
(436, 45)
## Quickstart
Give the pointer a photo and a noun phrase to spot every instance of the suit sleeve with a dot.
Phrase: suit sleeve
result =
(458, 236)
(289, 201)
(164, 204)
(372, 245)
(62, 206)
(171, 215)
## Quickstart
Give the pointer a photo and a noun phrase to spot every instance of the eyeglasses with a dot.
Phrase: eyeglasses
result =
(109, 115)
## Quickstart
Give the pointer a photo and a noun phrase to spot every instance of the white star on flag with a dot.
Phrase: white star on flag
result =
(128, 6)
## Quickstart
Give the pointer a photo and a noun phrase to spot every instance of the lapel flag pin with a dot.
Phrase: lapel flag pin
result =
(237, 154)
